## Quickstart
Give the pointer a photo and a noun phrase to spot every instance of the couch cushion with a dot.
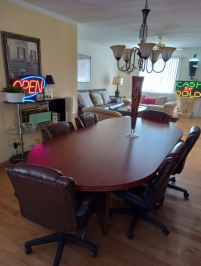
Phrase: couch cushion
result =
(84, 99)
(96, 98)
(155, 107)
(105, 97)
(160, 100)
(148, 101)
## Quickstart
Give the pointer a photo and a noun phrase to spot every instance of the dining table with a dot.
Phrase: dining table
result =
(101, 158)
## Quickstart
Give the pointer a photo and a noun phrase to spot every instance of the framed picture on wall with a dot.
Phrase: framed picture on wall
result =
(83, 68)
(21, 56)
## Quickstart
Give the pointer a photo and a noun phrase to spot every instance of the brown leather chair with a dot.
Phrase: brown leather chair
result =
(56, 129)
(85, 120)
(49, 199)
(191, 139)
(147, 196)
(156, 115)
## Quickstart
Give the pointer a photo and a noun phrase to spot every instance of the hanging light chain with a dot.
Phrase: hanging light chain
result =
(146, 4)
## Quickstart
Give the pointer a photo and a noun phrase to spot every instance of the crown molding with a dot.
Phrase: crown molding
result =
(42, 11)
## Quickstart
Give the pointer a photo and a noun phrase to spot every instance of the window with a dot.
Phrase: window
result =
(164, 81)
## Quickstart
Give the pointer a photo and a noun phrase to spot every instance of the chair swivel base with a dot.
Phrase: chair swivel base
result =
(186, 194)
(136, 214)
(61, 238)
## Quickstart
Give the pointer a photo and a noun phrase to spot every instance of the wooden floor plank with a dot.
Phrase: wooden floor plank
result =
(149, 246)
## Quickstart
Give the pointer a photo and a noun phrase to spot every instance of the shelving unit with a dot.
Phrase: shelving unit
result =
(55, 105)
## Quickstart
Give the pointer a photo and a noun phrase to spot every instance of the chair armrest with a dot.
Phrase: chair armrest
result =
(172, 103)
(86, 200)
(115, 100)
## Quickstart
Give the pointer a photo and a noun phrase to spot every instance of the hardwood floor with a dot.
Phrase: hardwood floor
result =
(148, 248)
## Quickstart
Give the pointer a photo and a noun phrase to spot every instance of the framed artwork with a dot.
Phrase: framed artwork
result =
(83, 68)
(21, 56)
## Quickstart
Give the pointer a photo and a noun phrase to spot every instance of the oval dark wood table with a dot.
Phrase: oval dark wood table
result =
(102, 158)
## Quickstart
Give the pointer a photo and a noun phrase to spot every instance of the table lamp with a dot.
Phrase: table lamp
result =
(48, 88)
(117, 81)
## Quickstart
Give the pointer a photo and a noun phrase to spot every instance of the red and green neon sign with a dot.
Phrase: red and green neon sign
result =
(188, 89)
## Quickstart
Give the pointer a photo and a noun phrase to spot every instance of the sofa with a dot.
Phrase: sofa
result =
(167, 107)
(108, 103)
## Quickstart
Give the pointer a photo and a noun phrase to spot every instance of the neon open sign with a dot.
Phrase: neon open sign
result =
(188, 89)
(32, 86)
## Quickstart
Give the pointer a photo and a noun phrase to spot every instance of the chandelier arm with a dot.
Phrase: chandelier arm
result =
(161, 70)
(120, 68)
(151, 69)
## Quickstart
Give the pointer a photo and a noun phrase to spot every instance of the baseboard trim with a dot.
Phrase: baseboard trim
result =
(3, 164)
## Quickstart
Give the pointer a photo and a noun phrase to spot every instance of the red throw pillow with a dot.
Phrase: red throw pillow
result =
(149, 101)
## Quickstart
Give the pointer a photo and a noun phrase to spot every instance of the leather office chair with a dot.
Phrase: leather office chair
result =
(57, 129)
(156, 115)
(49, 199)
(147, 196)
(85, 120)
(191, 139)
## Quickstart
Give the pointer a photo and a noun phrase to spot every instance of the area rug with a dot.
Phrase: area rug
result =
(173, 119)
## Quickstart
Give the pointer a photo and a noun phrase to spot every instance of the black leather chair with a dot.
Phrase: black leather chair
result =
(156, 115)
(147, 196)
(85, 120)
(56, 129)
(191, 139)
(49, 199)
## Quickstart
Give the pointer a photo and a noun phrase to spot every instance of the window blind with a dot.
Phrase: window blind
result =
(164, 81)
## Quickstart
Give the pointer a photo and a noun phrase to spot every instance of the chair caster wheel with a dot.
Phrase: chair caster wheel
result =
(186, 195)
(173, 181)
(93, 253)
(130, 235)
(156, 207)
(28, 250)
(165, 232)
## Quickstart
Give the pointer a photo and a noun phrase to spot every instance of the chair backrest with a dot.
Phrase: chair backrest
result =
(85, 120)
(159, 183)
(57, 129)
(156, 115)
(101, 113)
(45, 196)
(191, 139)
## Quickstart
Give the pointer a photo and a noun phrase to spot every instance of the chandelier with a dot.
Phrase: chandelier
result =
(144, 51)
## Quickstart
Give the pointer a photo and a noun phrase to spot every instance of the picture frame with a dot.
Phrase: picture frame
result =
(83, 68)
(22, 56)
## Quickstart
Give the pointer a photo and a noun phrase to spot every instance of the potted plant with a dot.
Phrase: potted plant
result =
(14, 94)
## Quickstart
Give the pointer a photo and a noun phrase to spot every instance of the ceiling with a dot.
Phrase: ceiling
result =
(111, 22)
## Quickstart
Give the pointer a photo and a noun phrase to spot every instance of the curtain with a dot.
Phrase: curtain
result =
(164, 81)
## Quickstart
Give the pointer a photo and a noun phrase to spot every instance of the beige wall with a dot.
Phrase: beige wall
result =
(58, 58)
(103, 66)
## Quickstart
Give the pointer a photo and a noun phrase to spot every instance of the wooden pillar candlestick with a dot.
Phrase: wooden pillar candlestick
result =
(136, 94)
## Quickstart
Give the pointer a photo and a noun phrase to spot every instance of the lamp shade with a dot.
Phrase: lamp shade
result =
(117, 81)
(118, 51)
(127, 55)
(167, 52)
(145, 49)
(154, 55)
(49, 79)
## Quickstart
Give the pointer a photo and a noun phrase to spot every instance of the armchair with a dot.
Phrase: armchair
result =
(156, 115)
(101, 113)
(147, 196)
(57, 129)
(49, 199)
(193, 136)
(85, 120)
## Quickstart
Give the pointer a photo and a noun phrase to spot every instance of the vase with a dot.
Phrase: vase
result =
(137, 83)
(15, 97)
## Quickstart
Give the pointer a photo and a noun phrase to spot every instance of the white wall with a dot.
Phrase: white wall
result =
(103, 66)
